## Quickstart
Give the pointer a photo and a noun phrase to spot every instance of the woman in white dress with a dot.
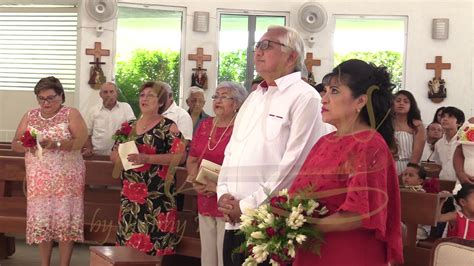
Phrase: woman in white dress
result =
(409, 131)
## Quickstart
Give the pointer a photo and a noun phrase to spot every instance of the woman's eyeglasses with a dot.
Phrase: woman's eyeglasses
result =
(148, 96)
(48, 99)
(265, 44)
(222, 98)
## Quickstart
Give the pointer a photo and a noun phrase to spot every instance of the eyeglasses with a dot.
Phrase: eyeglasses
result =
(222, 98)
(265, 44)
(48, 99)
(148, 96)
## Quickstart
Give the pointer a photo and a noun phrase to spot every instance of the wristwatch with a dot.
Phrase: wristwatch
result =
(58, 144)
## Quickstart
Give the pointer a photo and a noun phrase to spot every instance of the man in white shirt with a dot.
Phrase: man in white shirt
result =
(178, 115)
(274, 131)
(104, 120)
(451, 119)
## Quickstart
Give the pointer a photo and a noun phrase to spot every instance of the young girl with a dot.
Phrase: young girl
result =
(409, 131)
(461, 223)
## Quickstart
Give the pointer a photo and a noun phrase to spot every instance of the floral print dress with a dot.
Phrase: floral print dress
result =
(148, 214)
(55, 184)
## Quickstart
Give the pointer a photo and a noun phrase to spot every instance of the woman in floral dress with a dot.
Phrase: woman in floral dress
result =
(148, 214)
(55, 176)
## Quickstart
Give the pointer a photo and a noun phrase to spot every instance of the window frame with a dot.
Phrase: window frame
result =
(403, 18)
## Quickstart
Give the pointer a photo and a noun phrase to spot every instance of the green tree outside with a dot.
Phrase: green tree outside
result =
(143, 66)
(233, 66)
(392, 60)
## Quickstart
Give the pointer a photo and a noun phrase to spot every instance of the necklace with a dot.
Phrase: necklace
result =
(147, 123)
(220, 139)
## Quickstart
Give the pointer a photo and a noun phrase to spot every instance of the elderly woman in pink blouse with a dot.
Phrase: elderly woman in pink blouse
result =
(209, 143)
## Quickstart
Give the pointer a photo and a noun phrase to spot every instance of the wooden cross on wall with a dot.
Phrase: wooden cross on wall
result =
(97, 52)
(310, 62)
(199, 57)
(438, 66)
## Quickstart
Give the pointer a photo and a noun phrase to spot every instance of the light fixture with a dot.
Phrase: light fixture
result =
(440, 29)
(201, 21)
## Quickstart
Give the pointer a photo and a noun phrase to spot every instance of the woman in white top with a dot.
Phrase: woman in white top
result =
(409, 131)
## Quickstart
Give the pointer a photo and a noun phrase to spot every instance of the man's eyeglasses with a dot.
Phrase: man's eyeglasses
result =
(148, 96)
(265, 44)
(222, 98)
(48, 99)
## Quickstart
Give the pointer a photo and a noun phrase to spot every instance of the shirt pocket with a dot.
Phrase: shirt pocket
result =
(272, 127)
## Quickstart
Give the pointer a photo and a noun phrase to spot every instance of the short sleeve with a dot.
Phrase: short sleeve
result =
(367, 187)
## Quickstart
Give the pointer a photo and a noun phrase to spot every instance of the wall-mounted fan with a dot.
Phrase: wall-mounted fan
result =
(102, 10)
(312, 17)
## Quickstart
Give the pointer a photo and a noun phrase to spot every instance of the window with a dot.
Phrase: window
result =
(148, 49)
(237, 35)
(36, 42)
(380, 40)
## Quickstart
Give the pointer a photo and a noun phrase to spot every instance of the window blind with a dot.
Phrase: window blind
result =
(36, 43)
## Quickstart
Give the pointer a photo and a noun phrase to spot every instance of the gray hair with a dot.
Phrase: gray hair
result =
(113, 84)
(291, 39)
(194, 89)
(238, 91)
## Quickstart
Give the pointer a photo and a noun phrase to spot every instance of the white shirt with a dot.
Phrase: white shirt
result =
(444, 152)
(273, 133)
(102, 124)
(182, 119)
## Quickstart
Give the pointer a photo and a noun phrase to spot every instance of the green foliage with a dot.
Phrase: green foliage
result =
(392, 60)
(143, 66)
(233, 66)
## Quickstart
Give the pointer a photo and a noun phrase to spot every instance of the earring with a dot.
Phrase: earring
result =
(358, 110)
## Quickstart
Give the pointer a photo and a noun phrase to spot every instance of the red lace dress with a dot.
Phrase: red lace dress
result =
(363, 164)
(55, 185)
(207, 205)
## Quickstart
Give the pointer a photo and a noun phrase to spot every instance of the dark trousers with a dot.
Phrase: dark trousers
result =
(232, 241)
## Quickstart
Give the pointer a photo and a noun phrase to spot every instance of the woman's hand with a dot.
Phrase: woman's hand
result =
(200, 188)
(210, 187)
(138, 158)
(48, 144)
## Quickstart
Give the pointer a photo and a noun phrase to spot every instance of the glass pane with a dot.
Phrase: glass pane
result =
(264, 22)
(233, 42)
(380, 41)
(148, 48)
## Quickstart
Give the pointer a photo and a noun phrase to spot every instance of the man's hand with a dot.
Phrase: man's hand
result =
(225, 206)
(235, 212)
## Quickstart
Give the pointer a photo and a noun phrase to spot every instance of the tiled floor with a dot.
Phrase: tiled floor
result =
(26, 255)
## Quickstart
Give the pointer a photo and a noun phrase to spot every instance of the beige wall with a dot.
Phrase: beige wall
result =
(420, 48)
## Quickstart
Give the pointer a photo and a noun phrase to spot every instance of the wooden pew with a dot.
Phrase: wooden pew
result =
(101, 205)
(419, 209)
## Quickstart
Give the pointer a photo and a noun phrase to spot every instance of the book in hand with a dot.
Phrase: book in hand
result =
(208, 169)
(124, 149)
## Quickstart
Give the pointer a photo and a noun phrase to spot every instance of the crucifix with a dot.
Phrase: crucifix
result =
(309, 63)
(199, 77)
(437, 89)
(97, 77)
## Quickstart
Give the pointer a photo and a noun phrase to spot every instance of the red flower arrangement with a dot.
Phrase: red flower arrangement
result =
(135, 192)
(167, 222)
(140, 241)
(466, 134)
(123, 133)
(28, 139)
(166, 251)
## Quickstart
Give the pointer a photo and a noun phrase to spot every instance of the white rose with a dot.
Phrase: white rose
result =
(300, 239)
(250, 261)
(257, 235)
(283, 192)
(260, 253)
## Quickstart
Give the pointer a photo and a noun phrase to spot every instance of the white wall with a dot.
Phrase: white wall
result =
(421, 49)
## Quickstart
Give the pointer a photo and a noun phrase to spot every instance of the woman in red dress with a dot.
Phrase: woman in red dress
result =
(354, 167)
(209, 143)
